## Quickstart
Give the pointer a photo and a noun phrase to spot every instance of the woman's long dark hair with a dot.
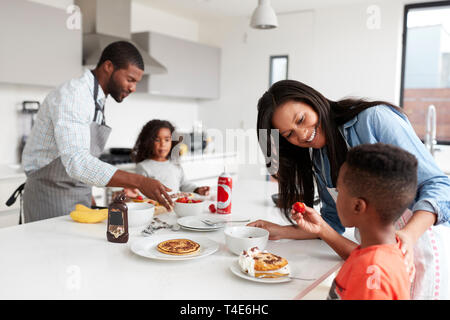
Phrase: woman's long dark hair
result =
(144, 147)
(294, 167)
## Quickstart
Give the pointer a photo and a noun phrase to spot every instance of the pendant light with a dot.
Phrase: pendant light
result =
(264, 17)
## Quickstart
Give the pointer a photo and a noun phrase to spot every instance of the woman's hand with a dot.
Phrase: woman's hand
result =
(275, 230)
(407, 248)
(309, 221)
(203, 191)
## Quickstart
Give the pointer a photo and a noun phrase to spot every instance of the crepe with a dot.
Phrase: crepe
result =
(178, 247)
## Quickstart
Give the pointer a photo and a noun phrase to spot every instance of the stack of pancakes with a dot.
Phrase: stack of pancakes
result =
(178, 247)
(263, 264)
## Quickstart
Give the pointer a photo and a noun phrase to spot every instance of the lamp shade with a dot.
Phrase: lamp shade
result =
(264, 17)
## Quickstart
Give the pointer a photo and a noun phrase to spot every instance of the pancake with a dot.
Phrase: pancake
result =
(178, 247)
(263, 264)
(265, 261)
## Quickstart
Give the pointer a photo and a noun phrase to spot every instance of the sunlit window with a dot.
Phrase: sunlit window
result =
(426, 68)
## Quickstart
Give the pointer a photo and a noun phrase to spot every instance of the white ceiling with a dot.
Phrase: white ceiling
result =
(210, 9)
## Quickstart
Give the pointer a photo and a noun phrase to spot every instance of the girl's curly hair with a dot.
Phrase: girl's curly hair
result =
(143, 148)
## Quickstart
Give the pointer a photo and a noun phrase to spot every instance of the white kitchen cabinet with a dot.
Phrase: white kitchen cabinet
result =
(193, 69)
(209, 167)
(37, 47)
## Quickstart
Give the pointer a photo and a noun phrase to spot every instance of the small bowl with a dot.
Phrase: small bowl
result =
(188, 209)
(139, 213)
(275, 198)
(242, 238)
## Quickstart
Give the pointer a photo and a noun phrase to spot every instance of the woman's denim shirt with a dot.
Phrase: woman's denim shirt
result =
(387, 125)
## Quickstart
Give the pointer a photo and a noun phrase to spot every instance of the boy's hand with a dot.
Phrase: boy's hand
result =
(204, 191)
(309, 221)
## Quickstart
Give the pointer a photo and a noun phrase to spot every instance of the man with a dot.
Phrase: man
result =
(60, 158)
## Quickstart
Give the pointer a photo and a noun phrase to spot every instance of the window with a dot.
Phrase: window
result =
(278, 69)
(426, 66)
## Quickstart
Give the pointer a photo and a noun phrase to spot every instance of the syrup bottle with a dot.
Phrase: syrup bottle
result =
(117, 230)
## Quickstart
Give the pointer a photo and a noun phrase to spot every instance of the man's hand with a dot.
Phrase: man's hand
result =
(155, 190)
(151, 188)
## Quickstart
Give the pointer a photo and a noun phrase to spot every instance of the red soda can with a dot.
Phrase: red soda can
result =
(224, 187)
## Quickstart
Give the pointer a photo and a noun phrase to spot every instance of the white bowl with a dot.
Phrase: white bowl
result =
(243, 238)
(188, 209)
(139, 213)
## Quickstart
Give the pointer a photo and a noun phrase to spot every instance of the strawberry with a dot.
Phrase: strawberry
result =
(182, 200)
(299, 207)
(140, 197)
(212, 208)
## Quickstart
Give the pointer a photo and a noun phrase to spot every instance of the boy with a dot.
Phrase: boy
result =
(376, 184)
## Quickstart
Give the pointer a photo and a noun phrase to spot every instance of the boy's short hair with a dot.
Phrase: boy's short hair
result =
(384, 175)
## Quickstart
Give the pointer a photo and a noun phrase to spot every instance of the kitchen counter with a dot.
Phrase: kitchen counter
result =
(61, 259)
(442, 157)
(11, 171)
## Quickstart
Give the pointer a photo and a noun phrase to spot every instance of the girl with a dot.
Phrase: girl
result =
(315, 134)
(152, 153)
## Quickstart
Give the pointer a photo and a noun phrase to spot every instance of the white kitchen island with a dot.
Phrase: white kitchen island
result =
(62, 259)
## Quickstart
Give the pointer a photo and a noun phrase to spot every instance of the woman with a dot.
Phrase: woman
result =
(315, 134)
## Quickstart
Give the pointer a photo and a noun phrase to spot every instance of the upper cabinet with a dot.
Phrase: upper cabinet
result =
(193, 69)
(37, 47)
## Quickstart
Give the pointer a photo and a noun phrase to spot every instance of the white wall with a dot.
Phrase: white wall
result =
(126, 118)
(330, 49)
(146, 18)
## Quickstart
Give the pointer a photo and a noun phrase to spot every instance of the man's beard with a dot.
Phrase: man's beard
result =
(114, 89)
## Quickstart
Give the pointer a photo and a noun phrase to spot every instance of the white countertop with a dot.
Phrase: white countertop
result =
(442, 157)
(11, 171)
(207, 156)
(61, 259)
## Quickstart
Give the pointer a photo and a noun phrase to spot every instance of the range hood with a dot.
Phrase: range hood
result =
(107, 21)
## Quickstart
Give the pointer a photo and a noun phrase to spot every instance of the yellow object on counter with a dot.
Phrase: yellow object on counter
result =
(183, 149)
(84, 214)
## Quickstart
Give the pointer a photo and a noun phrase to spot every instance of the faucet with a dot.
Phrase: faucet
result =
(430, 136)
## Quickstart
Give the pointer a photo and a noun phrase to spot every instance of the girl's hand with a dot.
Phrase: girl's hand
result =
(275, 230)
(309, 221)
(131, 193)
(204, 191)
(407, 247)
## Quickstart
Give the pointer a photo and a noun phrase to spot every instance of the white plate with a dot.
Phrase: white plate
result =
(199, 230)
(194, 222)
(146, 247)
(236, 269)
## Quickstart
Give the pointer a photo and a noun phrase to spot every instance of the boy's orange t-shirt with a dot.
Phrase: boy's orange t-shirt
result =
(373, 273)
